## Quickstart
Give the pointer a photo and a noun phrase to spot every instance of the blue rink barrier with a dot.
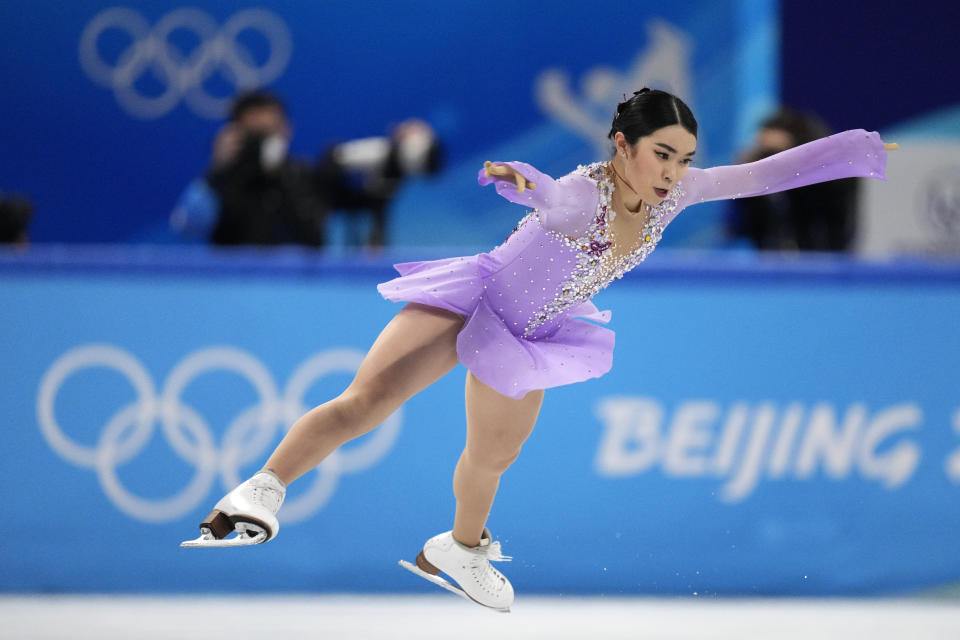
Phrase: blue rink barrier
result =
(770, 426)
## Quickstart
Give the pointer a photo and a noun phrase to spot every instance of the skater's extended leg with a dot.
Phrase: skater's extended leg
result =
(497, 427)
(415, 349)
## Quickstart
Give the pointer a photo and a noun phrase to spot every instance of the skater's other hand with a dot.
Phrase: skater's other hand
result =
(505, 172)
(891, 146)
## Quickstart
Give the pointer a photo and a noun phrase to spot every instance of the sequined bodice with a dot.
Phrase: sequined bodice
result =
(610, 267)
(557, 271)
(539, 274)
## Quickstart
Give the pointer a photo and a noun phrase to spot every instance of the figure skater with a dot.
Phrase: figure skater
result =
(519, 318)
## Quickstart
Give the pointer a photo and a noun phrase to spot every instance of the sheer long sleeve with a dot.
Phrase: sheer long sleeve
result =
(566, 205)
(855, 153)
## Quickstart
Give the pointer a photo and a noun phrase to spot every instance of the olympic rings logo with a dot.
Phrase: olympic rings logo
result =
(245, 440)
(183, 74)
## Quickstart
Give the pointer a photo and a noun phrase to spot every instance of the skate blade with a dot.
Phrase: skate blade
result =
(449, 586)
(236, 541)
(247, 535)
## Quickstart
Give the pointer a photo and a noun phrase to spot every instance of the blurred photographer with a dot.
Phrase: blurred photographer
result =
(15, 215)
(253, 193)
(362, 176)
(819, 217)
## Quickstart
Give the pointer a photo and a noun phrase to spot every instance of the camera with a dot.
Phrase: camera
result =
(262, 152)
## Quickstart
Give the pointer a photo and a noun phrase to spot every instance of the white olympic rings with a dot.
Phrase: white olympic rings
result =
(183, 74)
(127, 433)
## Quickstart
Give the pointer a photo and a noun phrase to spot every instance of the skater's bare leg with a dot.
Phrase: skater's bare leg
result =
(415, 349)
(497, 427)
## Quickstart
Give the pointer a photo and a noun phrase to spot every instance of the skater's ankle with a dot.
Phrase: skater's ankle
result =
(467, 542)
(273, 473)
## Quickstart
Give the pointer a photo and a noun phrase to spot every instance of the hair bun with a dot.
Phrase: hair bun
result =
(648, 110)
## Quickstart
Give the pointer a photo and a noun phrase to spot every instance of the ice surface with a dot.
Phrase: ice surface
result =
(443, 617)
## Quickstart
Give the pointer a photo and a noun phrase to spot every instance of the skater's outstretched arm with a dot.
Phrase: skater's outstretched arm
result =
(566, 205)
(855, 153)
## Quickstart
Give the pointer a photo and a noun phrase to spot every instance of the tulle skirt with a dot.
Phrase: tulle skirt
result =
(569, 348)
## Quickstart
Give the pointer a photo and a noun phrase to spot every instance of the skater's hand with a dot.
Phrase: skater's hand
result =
(891, 146)
(505, 172)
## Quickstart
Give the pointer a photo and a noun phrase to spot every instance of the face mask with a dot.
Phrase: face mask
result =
(273, 152)
(414, 151)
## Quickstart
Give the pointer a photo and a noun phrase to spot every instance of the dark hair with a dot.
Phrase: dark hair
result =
(802, 127)
(251, 100)
(649, 110)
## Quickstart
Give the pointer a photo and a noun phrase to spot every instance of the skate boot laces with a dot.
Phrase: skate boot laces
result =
(488, 578)
(266, 490)
(492, 552)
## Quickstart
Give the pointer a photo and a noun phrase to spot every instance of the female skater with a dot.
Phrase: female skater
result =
(519, 317)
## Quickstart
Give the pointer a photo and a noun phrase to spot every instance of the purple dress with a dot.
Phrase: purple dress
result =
(529, 320)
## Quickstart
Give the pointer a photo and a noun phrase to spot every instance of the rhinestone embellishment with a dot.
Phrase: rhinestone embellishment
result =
(596, 267)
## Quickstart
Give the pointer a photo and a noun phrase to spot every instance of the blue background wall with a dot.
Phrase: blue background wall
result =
(97, 173)
(773, 427)
(869, 64)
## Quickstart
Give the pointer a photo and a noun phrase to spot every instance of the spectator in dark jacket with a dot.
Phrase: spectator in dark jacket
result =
(15, 215)
(253, 193)
(820, 217)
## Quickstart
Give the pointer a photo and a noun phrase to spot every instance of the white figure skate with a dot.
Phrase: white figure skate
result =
(250, 510)
(468, 567)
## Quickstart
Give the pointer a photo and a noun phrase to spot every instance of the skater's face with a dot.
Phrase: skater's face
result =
(658, 161)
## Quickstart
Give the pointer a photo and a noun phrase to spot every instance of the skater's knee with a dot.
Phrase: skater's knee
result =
(492, 459)
(359, 404)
